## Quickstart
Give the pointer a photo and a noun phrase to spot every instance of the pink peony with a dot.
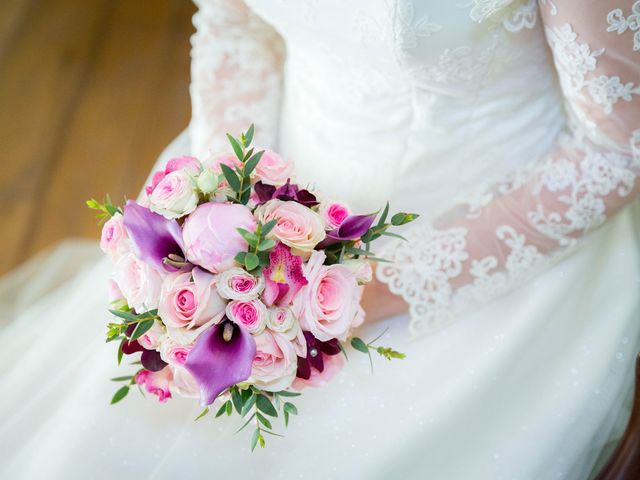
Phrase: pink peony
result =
(156, 383)
(189, 164)
(190, 299)
(328, 306)
(114, 240)
(334, 214)
(238, 284)
(275, 363)
(252, 315)
(272, 169)
(298, 226)
(139, 283)
(332, 366)
(211, 237)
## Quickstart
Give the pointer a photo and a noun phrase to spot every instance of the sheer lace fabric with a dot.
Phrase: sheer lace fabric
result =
(507, 231)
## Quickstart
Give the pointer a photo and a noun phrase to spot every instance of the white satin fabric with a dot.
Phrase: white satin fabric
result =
(531, 385)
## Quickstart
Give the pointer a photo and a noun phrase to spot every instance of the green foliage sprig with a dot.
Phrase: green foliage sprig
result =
(256, 407)
(239, 177)
(106, 209)
(386, 352)
(259, 247)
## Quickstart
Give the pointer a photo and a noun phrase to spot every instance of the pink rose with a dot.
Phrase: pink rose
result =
(139, 283)
(114, 294)
(172, 352)
(252, 314)
(238, 284)
(334, 214)
(156, 383)
(175, 196)
(150, 340)
(189, 164)
(298, 226)
(275, 363)
(229, 159)
(190, 299)
(272, 169)
(332, 366)
(211, 237)
(114, 240)
(329, 304)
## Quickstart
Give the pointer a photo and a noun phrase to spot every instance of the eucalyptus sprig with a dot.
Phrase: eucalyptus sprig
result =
(259, 246)
(124, 390)
(118, 331)
(255, 407)
(239, 177)
(106, 208)
(386, 352)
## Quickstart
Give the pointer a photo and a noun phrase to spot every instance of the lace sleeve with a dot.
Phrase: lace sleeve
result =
(471, 254)
(236, 75)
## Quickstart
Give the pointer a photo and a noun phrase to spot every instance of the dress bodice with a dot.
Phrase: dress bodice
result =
(416, 100)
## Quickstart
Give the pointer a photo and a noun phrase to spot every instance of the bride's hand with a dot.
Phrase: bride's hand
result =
(379, 303)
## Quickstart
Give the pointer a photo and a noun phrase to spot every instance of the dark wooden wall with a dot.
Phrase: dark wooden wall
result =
(90, 93)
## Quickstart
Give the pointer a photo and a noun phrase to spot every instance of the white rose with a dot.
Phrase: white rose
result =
(237, 284)
(361, 269)
(175, 196)
(139, 283)
(283, 321)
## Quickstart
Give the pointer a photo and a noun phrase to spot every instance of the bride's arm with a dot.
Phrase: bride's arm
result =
(236, 76)
(471, 254)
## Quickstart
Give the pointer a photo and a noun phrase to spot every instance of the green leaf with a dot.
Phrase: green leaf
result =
(263, 420)
(246, 423)
(121, 379)
(389, 353)
(240, 257)
(358, 251)
(265, 405)
(141, 329)
(291, 408)
(286, 419)
(120, 394)
(284, 393)
(228, 407)
(267, 227)
(383, 217)
(235, 144)
(248, 405)
(236, 399)
(250, 237)
(221, 410)
(124, 315)
(231, 177)
(254, 439)
(120, 352)
(202, 414)
(252, 163)
(402, 218)
(251, 261)
(248, 137)
(266, 244)
(247, 154)
(395, 235)
(359, 345)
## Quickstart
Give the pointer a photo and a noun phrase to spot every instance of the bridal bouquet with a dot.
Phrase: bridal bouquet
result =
(236, 284)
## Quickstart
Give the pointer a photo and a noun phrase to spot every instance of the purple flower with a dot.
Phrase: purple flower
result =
(286, 192)
(221, 357)
(153, 237)
(353, 228)
(315, 352)
(283, 277)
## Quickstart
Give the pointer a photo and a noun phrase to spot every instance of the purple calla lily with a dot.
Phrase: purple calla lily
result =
(221, 357)
(153, 237)
(353, 228)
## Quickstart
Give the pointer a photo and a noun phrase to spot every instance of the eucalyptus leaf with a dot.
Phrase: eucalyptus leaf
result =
(252, 163)
(251, 261)
(124, 315)
(265, 405)
(237, 148)
(284, 393)
(231, 177)
(395, 235)
(267, 227)
(120, 352)
(248, 405)
(202, 414)
(121, 379)
(402, 218)
(236, 399)
(383, 217)
(120, 394)
(248, 136)
(254, 439)
(142, 328)
(359, 345)
(261, 418)
(221, 410)
(266, 244)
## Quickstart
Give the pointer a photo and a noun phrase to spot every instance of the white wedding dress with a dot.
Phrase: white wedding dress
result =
(512, 127)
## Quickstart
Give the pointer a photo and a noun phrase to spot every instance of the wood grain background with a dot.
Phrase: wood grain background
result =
(90, 93)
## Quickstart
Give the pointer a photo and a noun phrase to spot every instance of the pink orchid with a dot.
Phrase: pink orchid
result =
(283, 277)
